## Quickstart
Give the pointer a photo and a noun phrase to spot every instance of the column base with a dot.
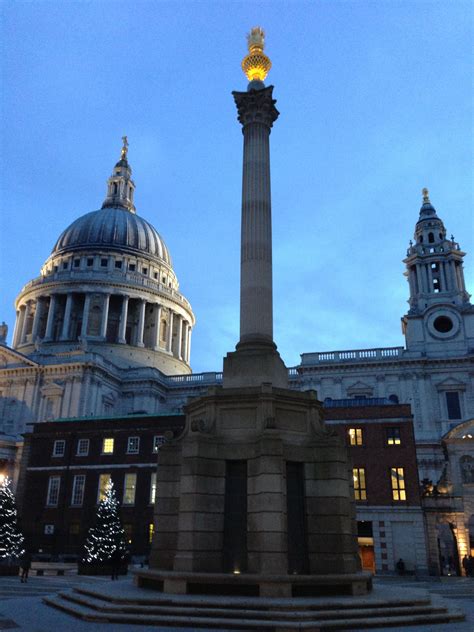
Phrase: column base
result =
(254, 363)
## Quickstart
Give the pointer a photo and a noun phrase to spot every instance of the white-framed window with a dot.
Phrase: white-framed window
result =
(82, 447)
(108, 445)
(78, 485)
(133, 445)
(158, 441)
(59, 447)
(129, 489)
(152, 488)
(53, 491)
(103, 482)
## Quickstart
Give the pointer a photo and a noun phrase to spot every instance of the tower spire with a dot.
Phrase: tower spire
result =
(120, 186)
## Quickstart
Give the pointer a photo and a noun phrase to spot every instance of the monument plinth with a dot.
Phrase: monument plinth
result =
(255, 496)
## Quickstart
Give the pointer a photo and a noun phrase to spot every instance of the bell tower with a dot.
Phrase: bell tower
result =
(440, 313)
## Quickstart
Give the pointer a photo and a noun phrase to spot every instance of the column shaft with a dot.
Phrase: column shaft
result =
(67, 318)
(169, 346)
(15, 331)
(188, 354)
(36, 320)
(141, 323)
(85, 315)
(123, 321)
(50, 321)
(25, 323)
(157, 327)
(184, 337)
(105, 316)
(179, 334)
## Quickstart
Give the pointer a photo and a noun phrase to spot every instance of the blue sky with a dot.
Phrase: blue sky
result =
(376, 102)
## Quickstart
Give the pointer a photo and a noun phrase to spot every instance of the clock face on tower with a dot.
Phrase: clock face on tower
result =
(443, 323)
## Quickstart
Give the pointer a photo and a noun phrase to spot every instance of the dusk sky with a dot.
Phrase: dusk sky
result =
(376, 102)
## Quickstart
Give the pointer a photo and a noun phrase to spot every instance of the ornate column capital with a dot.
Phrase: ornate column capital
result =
(256, 106)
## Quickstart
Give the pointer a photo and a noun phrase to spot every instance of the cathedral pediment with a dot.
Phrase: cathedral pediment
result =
(51, 389)
(451, 384)
(360, 388)
(10, 359)
(464, 431)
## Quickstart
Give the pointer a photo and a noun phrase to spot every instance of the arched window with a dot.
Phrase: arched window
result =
(421, 239)
(115, 188)
(430, 238)
(393, 398)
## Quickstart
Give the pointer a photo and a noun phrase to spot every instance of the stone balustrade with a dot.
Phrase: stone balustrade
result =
(366, 355)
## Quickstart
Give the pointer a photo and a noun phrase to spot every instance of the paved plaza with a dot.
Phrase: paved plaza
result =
(22, 608)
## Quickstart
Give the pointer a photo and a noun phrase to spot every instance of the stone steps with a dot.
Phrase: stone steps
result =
(252, 614)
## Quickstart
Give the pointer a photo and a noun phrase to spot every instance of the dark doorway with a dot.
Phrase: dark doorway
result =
(235, 517)
(296, 517)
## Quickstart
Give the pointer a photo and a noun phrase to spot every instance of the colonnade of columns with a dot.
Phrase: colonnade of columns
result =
(167, 330)
(450, 277)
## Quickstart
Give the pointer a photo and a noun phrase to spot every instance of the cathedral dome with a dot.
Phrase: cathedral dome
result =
(113, 228)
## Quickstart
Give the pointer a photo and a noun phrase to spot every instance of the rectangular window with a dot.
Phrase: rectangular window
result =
(129, 490)
(118, 265)
(74, 528)
(78, 486)
(104, 263)
(155, 276)
(108, 445)
(131, 267)
(90, 262)
(82, 447)
(152, 488)
(144, 270)
(158, 440)
(133, 445)
(59, 447)
(77, 263)
(393, 436)
(151, 531)
(355, 436)
(53, 491)
(103, 482)
(453, 405)
(65, 264)
(397, 477)
(360, 490)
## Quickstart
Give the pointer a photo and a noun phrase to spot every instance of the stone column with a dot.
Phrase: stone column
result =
(85, 315)
(184, 338)
(188, 346)
(141, 323)
(123, 321)
(419, 276)
(36, 320)
(157, 327)
(257, 113)
(15, 331)
(24, 324)
(50, 321)
(452, 271)
(67, 318)
(430, 277)
(169, 344)
(179, 335)
(105, 316)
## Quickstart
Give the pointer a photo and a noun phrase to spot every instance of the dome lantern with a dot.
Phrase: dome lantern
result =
(120, 186)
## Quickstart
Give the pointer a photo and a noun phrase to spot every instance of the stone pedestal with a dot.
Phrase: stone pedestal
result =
(269, 430)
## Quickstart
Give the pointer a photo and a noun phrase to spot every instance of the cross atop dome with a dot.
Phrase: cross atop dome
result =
(120, 186)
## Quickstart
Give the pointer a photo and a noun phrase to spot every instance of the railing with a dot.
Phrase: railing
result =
(358, 401)
(195, 379)
(109, 276)
(382, 353)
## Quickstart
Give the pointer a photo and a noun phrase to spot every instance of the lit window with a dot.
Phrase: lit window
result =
(151, 531)
(108, 446)
(129, 490)
(360, 490)
(152, 488)
(393, 436)
(53, 491)
(78, 485)
(82, 447)
(157, 442)
(104, 480)
(133, 446)
(397, 477)
(59, 447)
(453, 405)
(355, 436)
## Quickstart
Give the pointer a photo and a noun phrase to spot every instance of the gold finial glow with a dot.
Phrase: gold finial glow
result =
(426, 195)
(123, 153)
(256, 65)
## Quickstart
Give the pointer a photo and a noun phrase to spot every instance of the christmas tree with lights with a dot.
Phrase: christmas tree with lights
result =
(11, 539)
(107, 535)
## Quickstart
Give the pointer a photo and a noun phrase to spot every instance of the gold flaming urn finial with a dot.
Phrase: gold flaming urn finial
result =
(124, 151)
(256, 65)
(426, 195)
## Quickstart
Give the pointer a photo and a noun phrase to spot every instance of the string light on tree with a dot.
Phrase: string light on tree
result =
(107, 535)
(11, 539)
